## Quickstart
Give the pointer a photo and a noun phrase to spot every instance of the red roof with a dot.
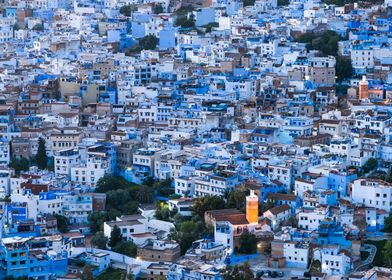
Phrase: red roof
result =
(234, 219)
(35, 188)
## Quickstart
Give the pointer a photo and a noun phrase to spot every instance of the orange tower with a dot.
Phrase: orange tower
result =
(252, 208)
(363, 88)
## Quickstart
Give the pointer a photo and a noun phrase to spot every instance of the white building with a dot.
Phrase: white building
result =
(77, 207)
(311, 219)
(279, 172)
(6, 29)
(335, 261)
(50, 203)
(266, 5)
(64, 160)
(278, 215)
(362, 57)
(296, 254)
(298, 126)
(184, 186)
(5, 181)
(213, 185)
(4, 152)
(101, 160)
(182, 206)
(128, 225)
(147, 113)
(372, 193)
(144, 159)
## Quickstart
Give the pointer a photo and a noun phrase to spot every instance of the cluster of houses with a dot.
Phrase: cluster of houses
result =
(228, 97)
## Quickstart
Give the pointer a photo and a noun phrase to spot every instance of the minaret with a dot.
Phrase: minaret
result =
(363, 88)
(252, 208)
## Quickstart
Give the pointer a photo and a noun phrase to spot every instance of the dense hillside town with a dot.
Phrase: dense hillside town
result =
(195, 139)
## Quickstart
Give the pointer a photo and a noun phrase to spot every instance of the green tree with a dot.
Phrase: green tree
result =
(96, 220)
(19, 165)
(249, 3)
(237, 199)
(207, 203)
(115, 237)
(38, 27)
(344, 68)
(337, 2)
(41, 157)
(210, 26)
(248, 243)
(122, 197)
(149, 181)
(158, 9)
(130, 207)
(148, 42)
(344, 2)
(387, 252)
(325, 42)
(62, 223)
(184, 10)
(99, 240)
(189, 232)
(50, 165)
(185, 22)
(109, 182)
(127, 248)
(15, 27)
(388, 224)
(87, 273)
(162, 212)
(239, 272)
(178, 219)
(127, 10)
(370, 165)
(164, 188)
(283, 2)
(315, 266)
(341, 89)
(117, 199)
(144, 194)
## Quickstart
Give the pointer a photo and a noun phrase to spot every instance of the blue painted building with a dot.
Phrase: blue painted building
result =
(339, 182)
(43, 14)
(10, 11)
(167, 38)
(17, 212)
(22, 257)
(25, 228)
(205, 16)
(330, 233)
(329, 197)
(264, 188)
